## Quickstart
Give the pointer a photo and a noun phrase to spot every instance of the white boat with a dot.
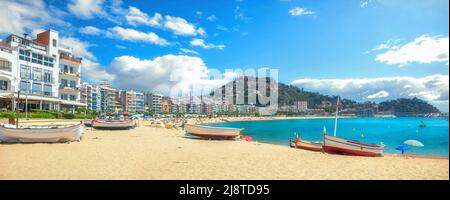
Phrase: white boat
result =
(30, 134)
(103, 124)
(212, 132)
(350, 147)
(333, 144)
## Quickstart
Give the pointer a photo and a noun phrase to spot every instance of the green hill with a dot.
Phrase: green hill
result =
(288, 94)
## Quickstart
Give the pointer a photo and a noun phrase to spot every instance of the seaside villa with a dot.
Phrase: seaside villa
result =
(46, 73)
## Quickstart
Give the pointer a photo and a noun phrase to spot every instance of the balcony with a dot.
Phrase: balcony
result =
(69, 89)
(71, 74)
(70, 58)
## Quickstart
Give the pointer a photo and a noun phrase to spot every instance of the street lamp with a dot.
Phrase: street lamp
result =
(26, 89)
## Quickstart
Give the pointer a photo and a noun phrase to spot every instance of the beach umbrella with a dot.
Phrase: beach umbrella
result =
(403, 148)
(413, 143)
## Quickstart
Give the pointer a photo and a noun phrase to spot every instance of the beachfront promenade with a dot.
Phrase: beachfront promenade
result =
(158, 153)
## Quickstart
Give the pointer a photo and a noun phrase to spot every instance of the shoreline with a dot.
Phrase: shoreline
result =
(214, 120)
(249, 119)
(160, 153)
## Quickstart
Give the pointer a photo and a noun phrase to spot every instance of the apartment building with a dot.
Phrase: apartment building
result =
(132, 102)
(153, 102)
(107, 98)
(33, 67)
(90, 95)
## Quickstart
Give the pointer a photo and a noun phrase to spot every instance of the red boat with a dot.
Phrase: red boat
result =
(305, 144)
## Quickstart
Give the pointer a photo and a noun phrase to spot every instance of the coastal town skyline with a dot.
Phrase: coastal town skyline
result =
(128, 42)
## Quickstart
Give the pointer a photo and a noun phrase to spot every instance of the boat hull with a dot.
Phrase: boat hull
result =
(348, 147)
(307, 145)
(212, 132)
(34, 134)
(113, 125)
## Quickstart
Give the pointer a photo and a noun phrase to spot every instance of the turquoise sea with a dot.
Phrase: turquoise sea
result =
(391, 131)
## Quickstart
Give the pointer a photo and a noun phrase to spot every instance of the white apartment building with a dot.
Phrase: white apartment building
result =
(90, 95)
(33, 67)
(8, 80)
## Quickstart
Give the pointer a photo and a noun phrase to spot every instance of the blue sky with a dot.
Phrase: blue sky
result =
(361, 49)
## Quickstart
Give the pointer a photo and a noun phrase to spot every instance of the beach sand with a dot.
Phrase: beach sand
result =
(158, 153)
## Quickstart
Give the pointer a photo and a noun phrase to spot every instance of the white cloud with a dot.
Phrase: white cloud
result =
(378, 95)
(86, 9)
(136, 17)
(116, 7)
(128, 34)
(90, 30)
(79, 48)
(177, 25)
(424, 49)
(432, 88)
(201, 43)
(120, 46)
(222, 28)
(186, 51)
(94, 72)
(384, 45)
(364, 3)
(211, 18)
(199, 13)
(168, 72)
(180, 26)
(240, 15)
(298, 11)
(25, 16)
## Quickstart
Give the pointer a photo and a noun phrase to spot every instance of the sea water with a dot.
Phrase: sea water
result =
(392, 132)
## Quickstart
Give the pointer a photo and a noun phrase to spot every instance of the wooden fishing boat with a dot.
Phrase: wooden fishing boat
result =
(351, 147)
(305, 144)
(212, 132)
(30, 134)
(88, 123)
(333, 144)
(104, 124)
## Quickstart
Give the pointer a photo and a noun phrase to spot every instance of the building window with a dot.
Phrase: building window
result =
(3, 85)
(48, 90)
(5, 65)
(73, 84)
(24, 70)
(54, 43)
(47, 76)
(24, 55)
(37, 88)
(71, 69)
(64, 83)
(23, 86)
(37, 74)
(72, 97)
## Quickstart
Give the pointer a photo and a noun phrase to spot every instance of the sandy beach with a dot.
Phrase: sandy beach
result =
(159, 153)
